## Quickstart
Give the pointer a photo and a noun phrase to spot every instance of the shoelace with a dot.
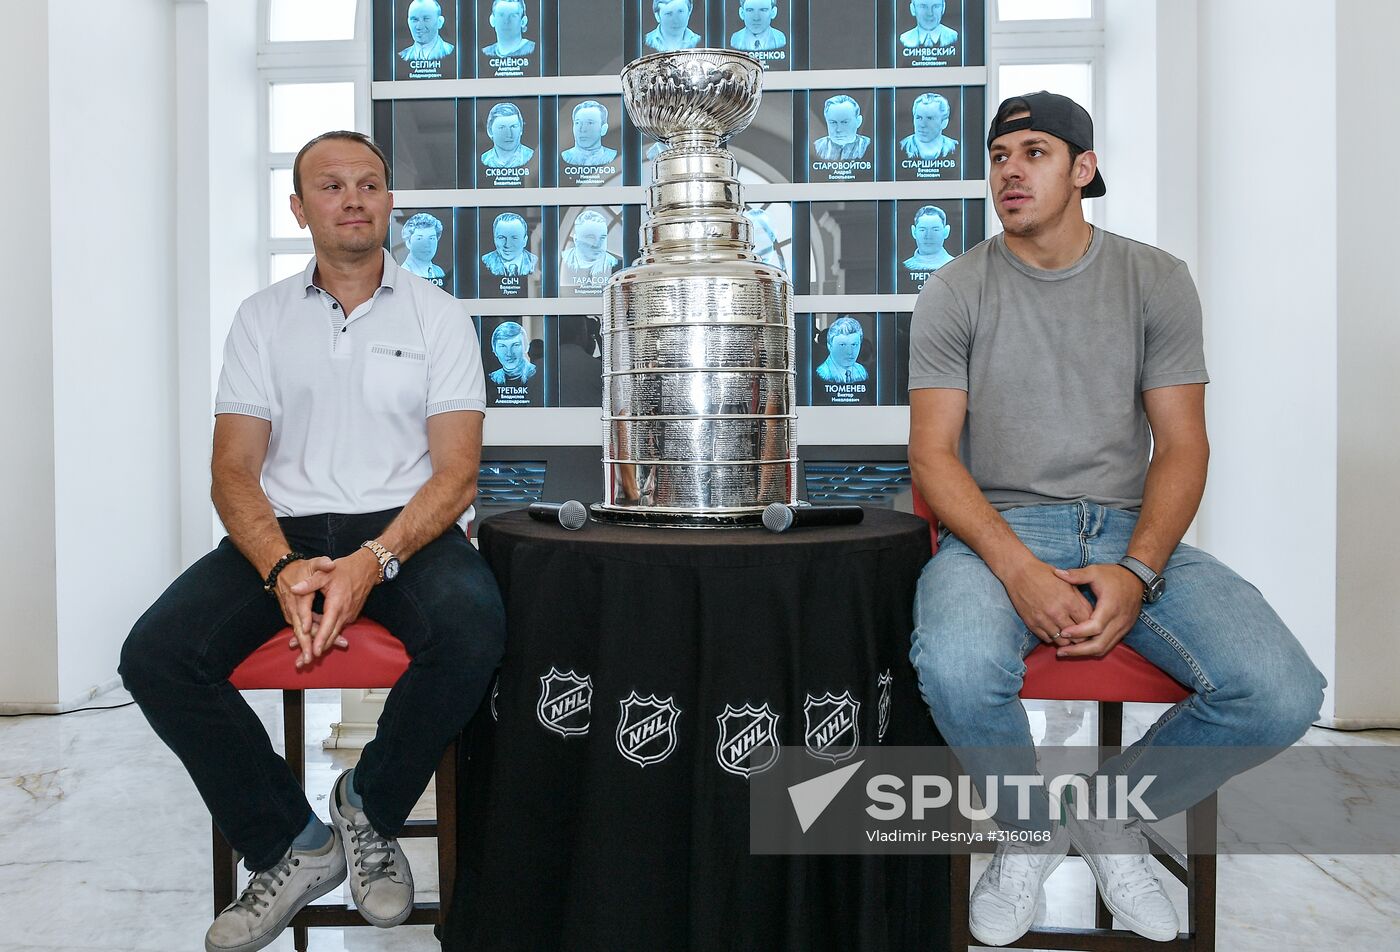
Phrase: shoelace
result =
(262, 887)
(376, 851)
(1017, 875)
(1126, 851)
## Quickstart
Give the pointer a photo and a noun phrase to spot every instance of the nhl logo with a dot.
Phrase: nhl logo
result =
(646, 732)
(833, 731)
(882, 707)
(743, 730)
(566, 701)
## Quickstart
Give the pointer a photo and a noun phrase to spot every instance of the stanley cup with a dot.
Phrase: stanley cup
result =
(698, 380)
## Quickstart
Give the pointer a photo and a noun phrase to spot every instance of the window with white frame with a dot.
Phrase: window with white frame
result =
(1055, 45)
(313, 69)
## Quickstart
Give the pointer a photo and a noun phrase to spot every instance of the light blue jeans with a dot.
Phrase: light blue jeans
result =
(1253, 684)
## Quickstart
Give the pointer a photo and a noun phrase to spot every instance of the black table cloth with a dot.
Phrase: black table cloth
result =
(604, 797)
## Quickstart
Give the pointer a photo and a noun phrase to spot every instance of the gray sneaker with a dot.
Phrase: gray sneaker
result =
(274, 896)
(380, 880)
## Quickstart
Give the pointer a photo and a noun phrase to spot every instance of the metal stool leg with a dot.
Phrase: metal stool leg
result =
(1110, 735)
(225, 872)
(445, 788)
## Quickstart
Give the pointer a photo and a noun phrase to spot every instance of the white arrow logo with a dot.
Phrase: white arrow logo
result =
(810, 798)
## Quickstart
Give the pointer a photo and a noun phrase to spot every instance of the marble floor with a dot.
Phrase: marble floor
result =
(104, 846)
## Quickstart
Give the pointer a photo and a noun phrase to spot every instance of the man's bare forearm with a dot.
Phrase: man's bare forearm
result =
(247, 515)
(437, 505)
(953, 495)
(1176, 480)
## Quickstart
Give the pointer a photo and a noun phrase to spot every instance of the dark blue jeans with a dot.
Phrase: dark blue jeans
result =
(445, 608)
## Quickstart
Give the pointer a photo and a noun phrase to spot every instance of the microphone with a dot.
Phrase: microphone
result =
(780, 517)
(571, 515)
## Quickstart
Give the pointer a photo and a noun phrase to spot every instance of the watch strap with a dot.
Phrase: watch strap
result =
(380, 553)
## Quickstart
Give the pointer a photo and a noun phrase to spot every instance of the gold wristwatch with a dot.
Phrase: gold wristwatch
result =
(388, 561)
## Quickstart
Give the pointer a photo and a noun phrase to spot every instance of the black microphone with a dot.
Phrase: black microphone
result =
(781, 518)
(571, 515)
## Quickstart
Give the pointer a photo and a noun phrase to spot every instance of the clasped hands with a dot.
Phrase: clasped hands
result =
(344, 585)
(1055, 609)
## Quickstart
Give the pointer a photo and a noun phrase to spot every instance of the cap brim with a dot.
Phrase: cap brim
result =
(1095, 188)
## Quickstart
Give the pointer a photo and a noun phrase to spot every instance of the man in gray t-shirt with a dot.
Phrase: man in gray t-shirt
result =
(1057, 431)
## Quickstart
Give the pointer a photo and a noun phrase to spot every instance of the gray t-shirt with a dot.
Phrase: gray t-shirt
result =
(1054, 364)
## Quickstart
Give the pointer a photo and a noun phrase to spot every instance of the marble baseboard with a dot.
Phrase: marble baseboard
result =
(63, 707)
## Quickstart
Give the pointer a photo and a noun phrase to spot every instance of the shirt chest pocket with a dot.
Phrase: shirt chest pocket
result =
(395, 379)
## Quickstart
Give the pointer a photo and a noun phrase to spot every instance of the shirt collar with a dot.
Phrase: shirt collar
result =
(388, 279)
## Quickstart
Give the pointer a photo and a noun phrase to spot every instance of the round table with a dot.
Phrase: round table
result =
(604, 790)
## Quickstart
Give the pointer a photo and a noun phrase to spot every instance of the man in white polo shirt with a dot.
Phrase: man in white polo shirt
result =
(346, 446)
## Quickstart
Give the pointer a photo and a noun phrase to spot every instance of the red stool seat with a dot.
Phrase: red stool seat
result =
(1120, 675)
(375, 659)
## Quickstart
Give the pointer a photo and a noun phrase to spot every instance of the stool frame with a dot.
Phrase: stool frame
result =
(444, 828)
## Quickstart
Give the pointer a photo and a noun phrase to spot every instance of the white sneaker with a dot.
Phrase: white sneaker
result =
(380, 881)
(1118, 855)
(1010, 894)
(273, 897)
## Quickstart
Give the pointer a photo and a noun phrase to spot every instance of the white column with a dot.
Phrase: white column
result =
(1368, 356)
(28, 590)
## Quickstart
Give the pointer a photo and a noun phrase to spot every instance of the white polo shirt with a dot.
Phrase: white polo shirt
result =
(349, 397)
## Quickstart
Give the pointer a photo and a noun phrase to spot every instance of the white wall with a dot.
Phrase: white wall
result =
(28, 645)
(218, 224)
(1268, 281)
(113, 221)
(1368, 394)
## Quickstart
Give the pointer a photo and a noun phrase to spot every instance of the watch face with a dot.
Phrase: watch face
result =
(391, 569)
(1155, 590)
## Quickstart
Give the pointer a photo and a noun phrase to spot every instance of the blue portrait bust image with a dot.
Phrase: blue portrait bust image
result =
(509, 232)
(928, 30)
(758, 32)
(587, 259)
(425, 20)
(512, 350)
(930, 231)
(504, 126)
(931, 114)
(843, 139)
(673, 30)
(421, 234)
(843, 340)
(509, 20)
(590, 120)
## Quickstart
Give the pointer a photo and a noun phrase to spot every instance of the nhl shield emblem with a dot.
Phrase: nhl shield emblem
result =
(646, 731)
(833, 729)
(742, 731)
(883, 682)
(566, 702)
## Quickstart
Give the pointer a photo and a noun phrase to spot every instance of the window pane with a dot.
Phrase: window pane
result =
(1074, 80)
(283, 222)
(302, 111)
(284, 266)
(293, 20)
(1045, 9)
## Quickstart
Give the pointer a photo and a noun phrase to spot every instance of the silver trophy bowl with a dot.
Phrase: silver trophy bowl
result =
(701, 96)
(698, 379)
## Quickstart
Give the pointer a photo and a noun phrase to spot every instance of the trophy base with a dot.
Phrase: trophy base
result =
(674, 519)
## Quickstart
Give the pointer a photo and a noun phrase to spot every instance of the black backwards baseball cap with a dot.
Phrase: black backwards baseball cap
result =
(1058, 115)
